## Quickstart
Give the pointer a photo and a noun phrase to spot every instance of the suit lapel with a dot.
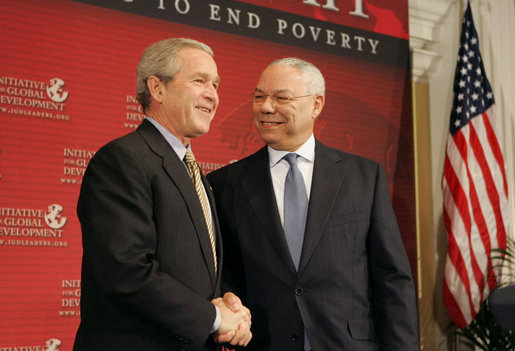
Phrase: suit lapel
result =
(328, 176)
(216, 226)
(257, 184)
(178, 174)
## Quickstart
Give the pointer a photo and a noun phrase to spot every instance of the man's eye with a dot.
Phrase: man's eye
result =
(200, 81)
(282, 98)
(259, 97)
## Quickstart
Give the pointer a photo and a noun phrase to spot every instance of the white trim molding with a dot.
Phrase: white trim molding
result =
(424, 19)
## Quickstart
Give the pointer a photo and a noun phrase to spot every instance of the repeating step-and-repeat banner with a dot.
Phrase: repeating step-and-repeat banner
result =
(67, 82)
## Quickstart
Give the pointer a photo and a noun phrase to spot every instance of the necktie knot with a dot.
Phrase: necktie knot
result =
(291, 158)
(189, 158)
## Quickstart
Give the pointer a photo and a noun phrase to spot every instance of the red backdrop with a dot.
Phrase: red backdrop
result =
(67, 73)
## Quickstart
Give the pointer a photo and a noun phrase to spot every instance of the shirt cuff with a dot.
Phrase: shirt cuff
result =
(217, 322)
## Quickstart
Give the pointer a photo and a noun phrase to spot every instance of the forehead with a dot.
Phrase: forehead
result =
(278, 78)
(196, 60)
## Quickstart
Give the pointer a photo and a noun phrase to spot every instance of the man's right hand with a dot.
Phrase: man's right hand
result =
(235, 321)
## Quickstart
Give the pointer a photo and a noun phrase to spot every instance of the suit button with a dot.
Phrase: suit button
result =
(294, 337)
(299, 291)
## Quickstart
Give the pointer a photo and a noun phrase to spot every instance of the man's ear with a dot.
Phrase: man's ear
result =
(318, 105)
(156, 88)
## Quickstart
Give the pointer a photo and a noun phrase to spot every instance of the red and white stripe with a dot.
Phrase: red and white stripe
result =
(475, 194)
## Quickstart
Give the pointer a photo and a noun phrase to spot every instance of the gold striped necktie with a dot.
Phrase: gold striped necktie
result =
(194, 170)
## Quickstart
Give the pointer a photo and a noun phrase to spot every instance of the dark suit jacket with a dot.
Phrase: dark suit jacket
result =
(353, 290)
(147, 271)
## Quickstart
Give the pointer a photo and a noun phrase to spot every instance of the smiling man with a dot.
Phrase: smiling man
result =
(297, 105)
(311, 240)
(152, 252)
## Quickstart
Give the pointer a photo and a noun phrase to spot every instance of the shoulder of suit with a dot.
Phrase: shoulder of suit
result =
(343, 155)
(128, 144)
(119, 141)
(244, 162)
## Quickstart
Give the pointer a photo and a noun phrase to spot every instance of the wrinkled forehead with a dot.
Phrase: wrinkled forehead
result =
(198, 62)
(277, 79)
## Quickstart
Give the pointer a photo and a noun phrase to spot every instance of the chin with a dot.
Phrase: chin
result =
(268, 134)
(203, 129)
(269, 141)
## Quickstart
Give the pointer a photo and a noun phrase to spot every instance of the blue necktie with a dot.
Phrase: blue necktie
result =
(295, 214)
(295, 209)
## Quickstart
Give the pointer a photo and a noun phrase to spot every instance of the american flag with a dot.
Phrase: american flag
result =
(475, 191)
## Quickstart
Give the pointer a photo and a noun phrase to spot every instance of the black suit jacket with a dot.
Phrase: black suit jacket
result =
(147, 273)
(353, 290)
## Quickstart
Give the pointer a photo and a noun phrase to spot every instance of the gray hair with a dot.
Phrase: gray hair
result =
(312, 76)
(161, 59)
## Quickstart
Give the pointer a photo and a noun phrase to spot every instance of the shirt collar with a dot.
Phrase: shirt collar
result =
(306, 150)
(174, 142)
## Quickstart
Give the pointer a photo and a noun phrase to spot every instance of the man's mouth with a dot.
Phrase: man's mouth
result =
(269, 124)
(204, 109)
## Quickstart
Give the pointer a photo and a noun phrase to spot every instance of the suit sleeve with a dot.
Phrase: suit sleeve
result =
(116, 209)
(393, 292)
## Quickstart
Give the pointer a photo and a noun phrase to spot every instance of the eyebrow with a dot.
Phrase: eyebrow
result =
(257, 90)
(206, 76)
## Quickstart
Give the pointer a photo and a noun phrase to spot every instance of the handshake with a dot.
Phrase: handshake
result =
(235, 321)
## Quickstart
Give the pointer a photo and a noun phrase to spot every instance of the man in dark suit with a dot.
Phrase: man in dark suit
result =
(152, 253)
(311, 239)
